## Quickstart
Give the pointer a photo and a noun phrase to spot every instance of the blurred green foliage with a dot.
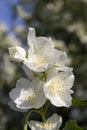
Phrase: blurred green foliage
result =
(66, 22)
(71, 125)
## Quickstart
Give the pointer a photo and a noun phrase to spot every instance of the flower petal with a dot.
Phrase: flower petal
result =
(28, 72)
(13, 107)
(61, 58)
(43, 43)
(63, 68)
(31, 38)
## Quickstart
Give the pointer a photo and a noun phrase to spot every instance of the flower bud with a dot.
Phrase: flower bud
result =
(17, 53)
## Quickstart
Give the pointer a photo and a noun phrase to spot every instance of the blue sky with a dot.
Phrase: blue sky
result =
(7, 13)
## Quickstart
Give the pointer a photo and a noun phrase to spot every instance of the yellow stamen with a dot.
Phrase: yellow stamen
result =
(39, 60)
(30, 97)
(56, 86)
(45, 125)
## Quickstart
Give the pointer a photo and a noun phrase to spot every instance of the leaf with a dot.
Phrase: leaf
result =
(72, 125)
(77, 102)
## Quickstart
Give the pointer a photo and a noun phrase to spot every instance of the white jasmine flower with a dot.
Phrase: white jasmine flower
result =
(12, 105)
(58, 88)
(52, 123)
(28, 94)
(41, 54)
(17, 53)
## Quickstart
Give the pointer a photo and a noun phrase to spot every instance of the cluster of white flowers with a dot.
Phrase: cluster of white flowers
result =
(48, 79)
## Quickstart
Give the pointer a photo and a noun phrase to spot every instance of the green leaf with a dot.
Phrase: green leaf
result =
(72, 125)
(77, 102)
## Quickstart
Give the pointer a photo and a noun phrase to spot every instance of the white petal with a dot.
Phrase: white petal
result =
(17, 53)
(63, 68)
(51, 42)
(31, 38)
(14, 93)
(64, 100)
(43, 43)
(13, 107)
(23, 83)
(68, 78)
(61, 58)
(57, 120)
(28, 72)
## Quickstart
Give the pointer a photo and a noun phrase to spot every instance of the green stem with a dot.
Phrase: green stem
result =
(44, 76)
(43, 116)
(42, 113)
(46, 106)
(25, 126)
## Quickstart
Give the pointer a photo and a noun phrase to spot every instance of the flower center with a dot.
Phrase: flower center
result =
(39, 60)
(56, 86)
(30, 96)
(45, 125)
